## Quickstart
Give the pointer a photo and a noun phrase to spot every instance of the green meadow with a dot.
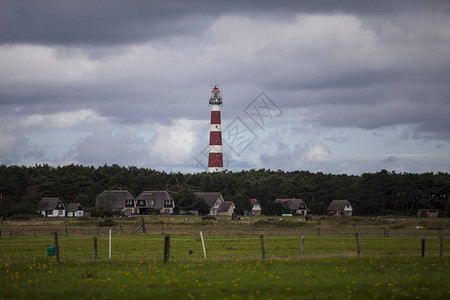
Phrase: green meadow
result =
(330, 268)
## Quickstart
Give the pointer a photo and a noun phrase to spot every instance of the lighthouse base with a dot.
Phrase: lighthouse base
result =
(215, 169)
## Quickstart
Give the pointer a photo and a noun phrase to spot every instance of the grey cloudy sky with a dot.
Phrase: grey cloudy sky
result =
(351, 86)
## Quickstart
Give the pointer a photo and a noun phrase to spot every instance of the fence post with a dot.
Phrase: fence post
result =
(318, 230)
(56, 245)
(203, 245)
(162, 228)
(166, 248)
(67, 232)
(357, 243)
(441, 246)
(303, 246)
(0, 233)
(143, 225)
(121, 230)
(110, 244)
(423, 247)
(95, 247)
(10, 232)
(262, 247)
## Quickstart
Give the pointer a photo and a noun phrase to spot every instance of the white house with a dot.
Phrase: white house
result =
(51, 207)
(294, 206)
(256, 207)
(217, 205)
(74, 210)
(340, 207)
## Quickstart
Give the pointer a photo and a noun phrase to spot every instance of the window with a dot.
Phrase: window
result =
(60, 212)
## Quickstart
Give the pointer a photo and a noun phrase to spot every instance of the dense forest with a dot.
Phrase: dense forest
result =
(379, 193)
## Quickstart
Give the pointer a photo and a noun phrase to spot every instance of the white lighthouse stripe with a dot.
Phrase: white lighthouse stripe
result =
(215, 148)
(215, 169)
(215, 107)
(216, 127)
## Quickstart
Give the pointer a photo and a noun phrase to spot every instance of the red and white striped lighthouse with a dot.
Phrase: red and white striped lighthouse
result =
(215, 160)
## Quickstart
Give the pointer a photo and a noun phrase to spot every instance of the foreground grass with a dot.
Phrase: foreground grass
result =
(317, 278)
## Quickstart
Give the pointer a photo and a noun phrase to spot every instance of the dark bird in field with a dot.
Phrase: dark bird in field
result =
(190, 252)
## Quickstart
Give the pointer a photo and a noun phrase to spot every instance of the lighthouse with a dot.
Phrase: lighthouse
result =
(215, 160)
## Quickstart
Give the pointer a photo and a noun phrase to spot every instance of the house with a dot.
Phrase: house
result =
(217, 205)
(226, 209)
(256, 207)
(160, 201)
(74, 210)
(120, 201)
(294, 206)
(340, 207)
(51, 207)
(428, 213)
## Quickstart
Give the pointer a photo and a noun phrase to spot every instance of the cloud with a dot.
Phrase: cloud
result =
(111, 69)
(317, 153)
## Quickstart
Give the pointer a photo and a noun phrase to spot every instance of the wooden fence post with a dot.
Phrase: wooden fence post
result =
(121, 229)
(67, 232)
(0, 233)
(318, 230)
(303, 246)
(56, 245)
(10, 232)
(357, 243)
(441, 246)
(95, 247)
(262, 247)
(143, 225)
(109, 243)
(423, 247)
(166, 248)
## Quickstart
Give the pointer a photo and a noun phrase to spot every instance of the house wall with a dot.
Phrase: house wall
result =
(55, 213)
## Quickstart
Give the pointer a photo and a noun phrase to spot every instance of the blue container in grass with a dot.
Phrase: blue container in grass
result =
(51, 250)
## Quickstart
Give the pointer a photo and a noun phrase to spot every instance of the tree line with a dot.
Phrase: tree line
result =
(379, 193)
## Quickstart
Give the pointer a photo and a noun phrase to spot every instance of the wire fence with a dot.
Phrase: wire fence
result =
(219, 229)
(212, 246)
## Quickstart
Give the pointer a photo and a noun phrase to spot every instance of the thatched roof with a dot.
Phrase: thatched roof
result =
(72, 207)
(338, 205)
(112, 199)
(225, 206)
(209, 198)
(157, 197)
(292, 204)
(254, 201)
(49, 203)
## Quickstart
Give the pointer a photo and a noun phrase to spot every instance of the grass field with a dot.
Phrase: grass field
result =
(388, 267)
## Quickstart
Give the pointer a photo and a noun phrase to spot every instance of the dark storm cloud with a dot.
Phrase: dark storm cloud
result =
(112, 22)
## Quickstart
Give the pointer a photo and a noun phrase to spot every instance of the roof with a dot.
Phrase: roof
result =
(158, 198)
(337, 205)
(254, 201)
(209, 198)
(292, 204)
(116, 199)
(73, 207)
(225, 206)
(49, 203)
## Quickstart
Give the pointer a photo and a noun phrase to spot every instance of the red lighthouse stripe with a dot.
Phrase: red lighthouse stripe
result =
(215, 138)
(215, 117)
(215, 160)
